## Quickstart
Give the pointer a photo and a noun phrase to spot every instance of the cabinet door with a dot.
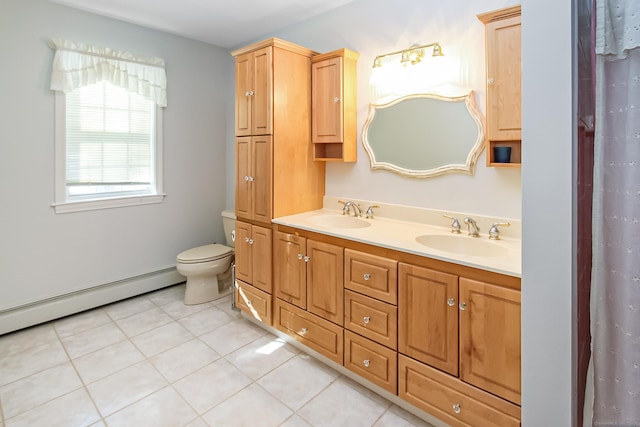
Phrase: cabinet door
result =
(325, 286)
(262, 113)
(244, 86)
(289, 268)
(504, 68)
(261, 258)
(326, 101)
(244, 260)
(243, 177)
(261, 183)
(490, 338)
(428, 316)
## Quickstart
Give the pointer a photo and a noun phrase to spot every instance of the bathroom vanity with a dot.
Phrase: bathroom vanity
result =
(404, 306)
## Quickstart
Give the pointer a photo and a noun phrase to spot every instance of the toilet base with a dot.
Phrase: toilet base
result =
(201, 289)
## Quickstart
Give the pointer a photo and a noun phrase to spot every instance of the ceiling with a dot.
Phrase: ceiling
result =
(225, 23)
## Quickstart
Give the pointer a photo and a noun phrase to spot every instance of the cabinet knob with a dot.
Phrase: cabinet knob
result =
(451, 302)
(249, 302)
(300, 256)
(303, 331)
(366, 363)
(456, 408)
(366, 319)
(248, 178)
(367, 276)
(491, 81)
(463, 306)
(307, 258)
(249, 93)
(336, 99)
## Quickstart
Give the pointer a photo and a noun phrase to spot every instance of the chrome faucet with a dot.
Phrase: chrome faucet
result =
(369, 213)
(455, 225)
(356, 208)
(472, 227)
(494, 232)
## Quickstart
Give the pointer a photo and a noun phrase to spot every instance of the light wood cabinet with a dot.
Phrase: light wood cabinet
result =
(428, 316)
(254, 92)
(253, 178)
(309, 274)
(253, 301)
(334, 105)
(253, 255)
(372, 361)
(313, 331)
(371, 275)
(490, 338)
(451, 400)
(371, 318)
(275, 171)
(504, 93)
(452, 322)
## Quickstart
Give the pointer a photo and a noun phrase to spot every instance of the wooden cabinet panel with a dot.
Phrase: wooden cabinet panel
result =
(253, 178)
(333, 101)
(451, 400)
(253, 255)
(318, 334)
(262, 113)
(371, 318)
(289, 268)
(262, 174)
(327, 125)
(325, 272)
(254, 302)
(428, 316)
(244, 254)
(244, 84)
(490, 338)
(371, 275)
(372, 361)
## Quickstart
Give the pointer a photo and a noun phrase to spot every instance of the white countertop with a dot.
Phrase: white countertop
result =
(401, 235)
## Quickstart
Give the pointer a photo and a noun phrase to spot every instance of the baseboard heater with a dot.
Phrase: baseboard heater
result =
(42, 311)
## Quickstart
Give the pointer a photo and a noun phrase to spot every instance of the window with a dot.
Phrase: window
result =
(108, 127)
(111, 144)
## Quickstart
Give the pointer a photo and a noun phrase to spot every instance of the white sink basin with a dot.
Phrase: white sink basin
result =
(462, 245)
(339, 221)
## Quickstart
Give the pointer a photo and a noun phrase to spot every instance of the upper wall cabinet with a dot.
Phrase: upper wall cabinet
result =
(504, 94)
(254, 93)
(275, 171)
(333, 105)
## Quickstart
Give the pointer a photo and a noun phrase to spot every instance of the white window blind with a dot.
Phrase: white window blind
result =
(110, 142)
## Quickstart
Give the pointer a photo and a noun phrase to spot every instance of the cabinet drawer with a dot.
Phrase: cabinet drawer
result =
(371, 275)
(254, 302)
(371, 318)
(316, 333)
(371, 361)
(451, 400)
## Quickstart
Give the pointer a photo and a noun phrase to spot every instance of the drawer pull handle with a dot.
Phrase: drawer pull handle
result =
(366, 319)
(303, 331)
(367, 276)
(451, 302)
(366, 363)
(456, 408)
(463, 306)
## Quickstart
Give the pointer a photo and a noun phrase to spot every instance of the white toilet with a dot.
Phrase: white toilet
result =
(208, 268)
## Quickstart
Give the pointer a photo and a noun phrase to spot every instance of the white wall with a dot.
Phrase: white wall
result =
(374, 27)
(547, 241)
(43, 254)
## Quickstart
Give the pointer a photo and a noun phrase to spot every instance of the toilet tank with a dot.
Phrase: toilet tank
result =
(229, 223)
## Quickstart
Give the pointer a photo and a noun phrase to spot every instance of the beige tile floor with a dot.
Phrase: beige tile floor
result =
(152, 361)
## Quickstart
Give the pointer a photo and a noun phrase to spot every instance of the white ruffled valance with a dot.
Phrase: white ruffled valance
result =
(617, 27)
(77, 65)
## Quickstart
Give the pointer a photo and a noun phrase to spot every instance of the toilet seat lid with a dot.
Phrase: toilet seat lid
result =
(204, 253)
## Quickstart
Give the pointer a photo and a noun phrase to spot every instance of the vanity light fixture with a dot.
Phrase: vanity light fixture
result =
(413, 54)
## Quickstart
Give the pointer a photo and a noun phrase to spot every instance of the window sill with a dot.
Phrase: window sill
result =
(89, 205)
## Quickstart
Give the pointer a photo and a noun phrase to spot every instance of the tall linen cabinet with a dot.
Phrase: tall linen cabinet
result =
(275, 171)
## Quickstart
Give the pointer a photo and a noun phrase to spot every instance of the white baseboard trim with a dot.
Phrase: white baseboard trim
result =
(75, 302)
